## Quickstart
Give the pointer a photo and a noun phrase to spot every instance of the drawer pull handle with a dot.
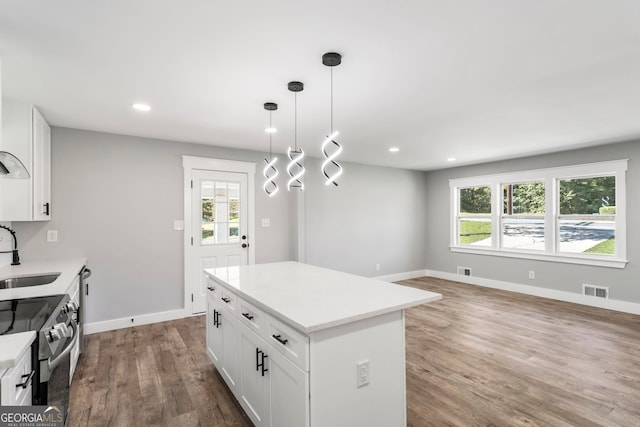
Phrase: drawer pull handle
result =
(227, 300)
(27, 381)
(211, 288)
(248, 316)
(280, 340)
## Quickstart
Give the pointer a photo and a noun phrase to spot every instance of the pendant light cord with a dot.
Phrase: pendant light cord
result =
(295, 120)
(270, 133)
(331, 109)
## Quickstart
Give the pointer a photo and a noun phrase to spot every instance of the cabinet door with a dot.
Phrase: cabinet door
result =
(229, 326)
(214, 333)
(254, 376)
(289, 391)
(16, 383)
(41, 167)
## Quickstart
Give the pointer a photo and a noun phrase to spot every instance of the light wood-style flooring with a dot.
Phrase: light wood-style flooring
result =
(479, 357)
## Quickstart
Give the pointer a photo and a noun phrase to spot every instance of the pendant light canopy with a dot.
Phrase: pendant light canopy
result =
(270, 172)
(331, 149)
(295, 168)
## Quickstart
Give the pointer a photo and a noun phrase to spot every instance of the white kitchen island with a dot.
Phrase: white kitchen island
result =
(300, 345)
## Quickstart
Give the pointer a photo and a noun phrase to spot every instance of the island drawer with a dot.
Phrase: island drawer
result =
(211, 285)
(291, 343)
(228, 300)
(253, 317)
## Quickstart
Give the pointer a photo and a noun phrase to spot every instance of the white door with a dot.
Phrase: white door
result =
(219, 235)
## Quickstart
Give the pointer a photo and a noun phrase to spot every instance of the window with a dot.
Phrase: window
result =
(474, 216)
(523, 209)
(571, 214)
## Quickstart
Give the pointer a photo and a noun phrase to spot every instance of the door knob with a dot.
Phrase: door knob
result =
(245, 245)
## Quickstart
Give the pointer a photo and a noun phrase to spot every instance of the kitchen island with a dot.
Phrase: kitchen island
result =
(300, 345)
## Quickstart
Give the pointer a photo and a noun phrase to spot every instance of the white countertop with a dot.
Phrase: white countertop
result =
(69, 269)
(13, 347)
(311, 298)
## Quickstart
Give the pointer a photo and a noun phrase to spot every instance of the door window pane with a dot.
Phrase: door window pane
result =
(587, 215)
(220, 209)
(523, 209)
(474, 216)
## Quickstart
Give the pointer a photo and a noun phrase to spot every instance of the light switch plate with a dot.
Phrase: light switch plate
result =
(52, 236)
(178, 224)
(362, 369)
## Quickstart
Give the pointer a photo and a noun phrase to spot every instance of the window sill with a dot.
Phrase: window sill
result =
(594, 260)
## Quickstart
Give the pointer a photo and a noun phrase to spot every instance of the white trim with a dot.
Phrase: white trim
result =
(190, 163)
(402, 276)
(127, 322)
(595, 260)
(610, 304)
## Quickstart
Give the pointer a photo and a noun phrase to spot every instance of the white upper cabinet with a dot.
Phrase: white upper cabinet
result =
(27, 135)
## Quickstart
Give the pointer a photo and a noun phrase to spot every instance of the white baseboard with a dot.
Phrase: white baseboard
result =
(127, 322)
(402, 276)
(611, 304)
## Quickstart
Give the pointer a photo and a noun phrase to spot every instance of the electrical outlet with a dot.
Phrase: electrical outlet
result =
(532, 274)
(377, 267)
(52, 236)
(266, 222)
(362, 369)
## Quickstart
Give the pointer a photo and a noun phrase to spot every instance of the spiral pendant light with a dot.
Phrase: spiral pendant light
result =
(331, 149)
(295, 168)
(270, 172)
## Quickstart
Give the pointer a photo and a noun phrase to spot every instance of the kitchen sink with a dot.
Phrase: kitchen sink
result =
(24, 281)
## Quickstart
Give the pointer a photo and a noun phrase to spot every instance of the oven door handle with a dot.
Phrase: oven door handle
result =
(51, 364)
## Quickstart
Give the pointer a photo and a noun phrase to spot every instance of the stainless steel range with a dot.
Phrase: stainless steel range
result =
(52, 317)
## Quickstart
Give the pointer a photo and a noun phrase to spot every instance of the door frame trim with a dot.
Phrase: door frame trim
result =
(190, 163)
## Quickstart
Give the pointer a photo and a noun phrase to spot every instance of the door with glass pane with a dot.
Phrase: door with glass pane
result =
(219, 207)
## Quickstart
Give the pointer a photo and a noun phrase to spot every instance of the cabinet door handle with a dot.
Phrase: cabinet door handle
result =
(27, 382)
(280, 339)
(264, 356)
(46, 209)
(248, 316)
(227, 300)
(216, 318)
(260, 363)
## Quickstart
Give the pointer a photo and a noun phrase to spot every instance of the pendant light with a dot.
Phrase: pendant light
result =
(270, 172)
(295, 169)
(330, 168)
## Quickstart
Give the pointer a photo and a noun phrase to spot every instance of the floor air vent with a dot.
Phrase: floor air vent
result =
(595, 291)
(464, 271)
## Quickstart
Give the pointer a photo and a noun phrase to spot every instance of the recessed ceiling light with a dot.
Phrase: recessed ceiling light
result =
(451, 159)
(394, 149)
(271, 130)
(141, 107)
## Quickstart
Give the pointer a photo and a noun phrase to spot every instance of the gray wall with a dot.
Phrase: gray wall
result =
(376, 215)
(114, 200)
(624, 284)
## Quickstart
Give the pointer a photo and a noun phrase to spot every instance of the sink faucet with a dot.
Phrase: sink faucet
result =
(16, 257)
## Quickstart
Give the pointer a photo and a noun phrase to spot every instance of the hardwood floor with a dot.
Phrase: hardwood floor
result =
(479, 357)
(484, 357)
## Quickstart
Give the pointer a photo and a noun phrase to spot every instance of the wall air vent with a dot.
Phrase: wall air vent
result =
(464, 271)
(595, 291)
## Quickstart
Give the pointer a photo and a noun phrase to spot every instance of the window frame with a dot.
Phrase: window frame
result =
(551, 178)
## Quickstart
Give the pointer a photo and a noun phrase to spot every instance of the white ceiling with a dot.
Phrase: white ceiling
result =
(472, 79)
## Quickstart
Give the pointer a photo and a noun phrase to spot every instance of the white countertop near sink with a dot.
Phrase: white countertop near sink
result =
(69, 269)
(13, 347)
(312, 298)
